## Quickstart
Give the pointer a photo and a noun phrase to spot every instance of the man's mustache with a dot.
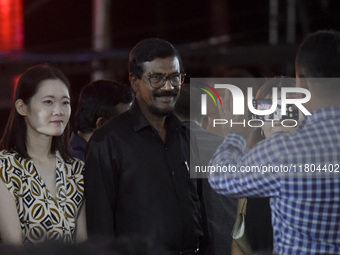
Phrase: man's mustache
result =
(165, 94)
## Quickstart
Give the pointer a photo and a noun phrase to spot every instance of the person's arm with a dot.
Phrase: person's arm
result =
(236, 179)
(100, 187)
(81, 231)
(10, 229)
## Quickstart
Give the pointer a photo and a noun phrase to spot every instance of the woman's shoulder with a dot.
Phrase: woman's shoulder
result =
(11, 157)
(7, 153)
(11, 163)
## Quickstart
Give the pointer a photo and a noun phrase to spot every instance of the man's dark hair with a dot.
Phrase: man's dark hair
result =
(99, 99)
(319, 55)
(149, 49)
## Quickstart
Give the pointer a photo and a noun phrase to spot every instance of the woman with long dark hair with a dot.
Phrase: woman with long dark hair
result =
(41, 184)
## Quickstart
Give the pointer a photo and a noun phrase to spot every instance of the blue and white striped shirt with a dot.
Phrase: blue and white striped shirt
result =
(305, 210)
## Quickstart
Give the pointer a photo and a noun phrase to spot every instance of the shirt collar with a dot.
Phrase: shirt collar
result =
(322, 114)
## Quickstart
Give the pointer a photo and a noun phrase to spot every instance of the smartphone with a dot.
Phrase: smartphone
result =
(292, 112)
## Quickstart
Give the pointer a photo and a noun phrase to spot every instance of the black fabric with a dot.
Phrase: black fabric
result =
(258, 225)
(136, 185)
(220, 210)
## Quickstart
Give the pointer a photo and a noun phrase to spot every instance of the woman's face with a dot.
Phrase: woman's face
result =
(49, 110)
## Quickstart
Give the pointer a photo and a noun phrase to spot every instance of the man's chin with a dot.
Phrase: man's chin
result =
(161, 112)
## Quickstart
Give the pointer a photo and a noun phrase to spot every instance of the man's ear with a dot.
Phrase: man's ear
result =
(134, 81)
(206, 122)
(100, 122)
(21, 107)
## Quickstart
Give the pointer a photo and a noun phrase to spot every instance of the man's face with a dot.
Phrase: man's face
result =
(157, 101)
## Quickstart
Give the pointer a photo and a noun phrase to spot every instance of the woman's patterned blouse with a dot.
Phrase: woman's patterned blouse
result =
(42, 216)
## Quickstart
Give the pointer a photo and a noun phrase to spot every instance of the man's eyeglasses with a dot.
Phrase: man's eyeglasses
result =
(157, 81)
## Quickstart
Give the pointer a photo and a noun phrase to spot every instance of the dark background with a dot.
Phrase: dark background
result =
(59, 32)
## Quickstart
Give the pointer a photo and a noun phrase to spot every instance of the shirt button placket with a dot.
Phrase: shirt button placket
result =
(172, 172)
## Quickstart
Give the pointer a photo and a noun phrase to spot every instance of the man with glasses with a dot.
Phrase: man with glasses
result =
(137, 180)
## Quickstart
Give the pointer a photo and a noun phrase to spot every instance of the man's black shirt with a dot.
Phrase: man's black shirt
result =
(138, 186)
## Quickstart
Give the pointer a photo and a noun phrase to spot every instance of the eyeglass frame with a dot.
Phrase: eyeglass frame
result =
(165, 79)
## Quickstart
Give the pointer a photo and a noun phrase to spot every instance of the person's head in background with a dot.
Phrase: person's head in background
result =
(188, 105)
(317, 68)
(34, 111)
(269, 128)
(98, 102)
(240, 77)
